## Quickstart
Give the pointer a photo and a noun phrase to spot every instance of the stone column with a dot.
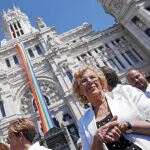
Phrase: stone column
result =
(138, 34)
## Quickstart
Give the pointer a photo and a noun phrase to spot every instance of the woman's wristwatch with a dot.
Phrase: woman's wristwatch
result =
(129, 128)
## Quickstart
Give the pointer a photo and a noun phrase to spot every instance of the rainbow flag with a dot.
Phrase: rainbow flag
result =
(44, 114)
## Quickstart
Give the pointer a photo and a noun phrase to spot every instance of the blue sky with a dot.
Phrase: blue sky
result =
(63, 14)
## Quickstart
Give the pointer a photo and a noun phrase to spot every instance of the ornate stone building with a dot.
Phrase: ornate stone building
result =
(134, 18)
(55, 57)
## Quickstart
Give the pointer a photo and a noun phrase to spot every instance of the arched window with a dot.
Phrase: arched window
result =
(46, 100)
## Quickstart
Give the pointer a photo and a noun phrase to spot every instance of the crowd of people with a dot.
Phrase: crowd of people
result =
(118, 116)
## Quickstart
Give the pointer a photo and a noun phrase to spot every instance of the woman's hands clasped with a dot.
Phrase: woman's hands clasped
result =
(110, 132)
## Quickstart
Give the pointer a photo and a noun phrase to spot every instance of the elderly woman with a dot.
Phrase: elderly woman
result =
(115, 121)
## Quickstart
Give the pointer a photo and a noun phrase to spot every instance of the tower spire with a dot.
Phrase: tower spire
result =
(15, 23)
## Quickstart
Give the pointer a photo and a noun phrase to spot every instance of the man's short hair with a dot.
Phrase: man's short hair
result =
(134, 69)
(25, 126)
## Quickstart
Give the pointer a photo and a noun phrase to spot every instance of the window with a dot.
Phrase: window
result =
(83, 56)
(78, 58)
(15, 26)
(119, 62)
(117, 40)
(11, 28)
(113, 42)
(12, 31)
(47, 100)
(100, 48)
(18, 24)
(107, 45)
(2, 109)
(114, 66)
(105, 63)
(39, 51)
(123, 38)
(96, 50)
(21, 32)
(18, 33)
(135, 20)
(34, 106)
(147, 32)
(148, 8)
(69, 74)
(73, 133)
(30, 53)
(8, 63)
(132, 57)
(89, 53)
(137, 54)
(66, 117)
(124, 56)
(98, 65)
(56, 122)
(14, 35)
(16, 59)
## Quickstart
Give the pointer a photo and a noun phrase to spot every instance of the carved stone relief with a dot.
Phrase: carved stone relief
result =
(116, 6)
(48, 89)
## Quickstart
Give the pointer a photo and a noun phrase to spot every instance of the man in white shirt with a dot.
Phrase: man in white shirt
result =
(21, 134)
(138, 79)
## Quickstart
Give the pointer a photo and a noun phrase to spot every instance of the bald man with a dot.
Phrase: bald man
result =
(138, 79)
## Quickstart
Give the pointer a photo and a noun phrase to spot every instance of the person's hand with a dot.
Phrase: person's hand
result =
(123, 127)
(110, 132)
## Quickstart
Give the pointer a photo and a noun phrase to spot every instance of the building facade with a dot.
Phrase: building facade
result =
(55, 57)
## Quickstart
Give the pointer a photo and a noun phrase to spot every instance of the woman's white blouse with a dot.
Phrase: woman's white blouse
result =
(126, 102)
